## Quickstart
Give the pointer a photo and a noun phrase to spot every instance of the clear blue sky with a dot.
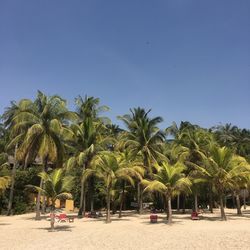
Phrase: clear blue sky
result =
(185, 59)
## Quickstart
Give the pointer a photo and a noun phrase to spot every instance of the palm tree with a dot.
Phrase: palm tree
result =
(87, 139)
(55, 186)
(223, 170)
(47, 118)
(169, 180)
(16, 135)
(189, 141)
(125, 160)
(143, 138)
(109, 169)
(5, 180)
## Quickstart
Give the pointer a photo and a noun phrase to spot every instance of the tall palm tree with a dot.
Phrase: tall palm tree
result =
(143, 138)
(126, 160)
(87, 141)
(5, 179)
(88, 138)
(109, 169)
(47, 118)
(223, 170)
(56, 186)
(15, 137)
(189, 141)
(169, 180)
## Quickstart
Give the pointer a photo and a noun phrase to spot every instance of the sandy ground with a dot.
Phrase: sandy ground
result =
(130, 232)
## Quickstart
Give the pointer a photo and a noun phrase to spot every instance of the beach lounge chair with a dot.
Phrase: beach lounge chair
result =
(64, 218)
(153, 218)
(194, 216)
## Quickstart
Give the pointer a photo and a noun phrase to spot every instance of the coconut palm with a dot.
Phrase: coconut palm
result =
(143, 138)
(47, 118)
(126, 160)
(55, 186)
(223, 170)
(87, 139)
(169, 180)
(189, 141)
(108, 168)
(15, 137)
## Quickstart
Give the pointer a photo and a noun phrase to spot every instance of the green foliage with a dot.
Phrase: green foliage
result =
(169, 180)
(107, 161)
(56, 185)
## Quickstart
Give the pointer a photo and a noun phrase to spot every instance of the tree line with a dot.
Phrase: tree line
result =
(81, 154)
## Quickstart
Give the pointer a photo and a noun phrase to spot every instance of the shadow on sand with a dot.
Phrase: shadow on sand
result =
(64, 228)
(4, 224)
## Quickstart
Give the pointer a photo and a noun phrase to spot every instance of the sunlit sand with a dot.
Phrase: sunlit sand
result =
(130, 232)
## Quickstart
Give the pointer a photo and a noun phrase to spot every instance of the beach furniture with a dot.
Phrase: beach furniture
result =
(194, 216)
(64, 218)
(153, 218)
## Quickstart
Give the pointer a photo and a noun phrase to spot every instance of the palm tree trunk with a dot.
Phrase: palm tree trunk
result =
(233, 199)
(166, 206)
(196, 203)
(26, 161)
(108, 219)
(211, 203)
(92, 192)
(238, 204)
(223, 215)
(81, 211)
(169, 209)
(244, 198)
(178, 203)
(184, 204)
(139, 198)
(122, 199)
(44, 198)
(43, 202)
(52, 220)
(92, 204)
(38, 199)
(13, 177)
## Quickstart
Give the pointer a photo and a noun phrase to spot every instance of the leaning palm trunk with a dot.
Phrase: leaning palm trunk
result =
(13, 177)
(223, 215)
(238, 204)
(108, 219)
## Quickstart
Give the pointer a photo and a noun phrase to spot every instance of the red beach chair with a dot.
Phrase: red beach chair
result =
(64, 218)
(194, 216)
(153, 218)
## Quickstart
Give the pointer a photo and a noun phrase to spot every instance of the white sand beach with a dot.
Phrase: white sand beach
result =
(130, 232)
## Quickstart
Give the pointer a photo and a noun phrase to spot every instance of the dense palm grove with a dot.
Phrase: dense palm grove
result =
(53, 152)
